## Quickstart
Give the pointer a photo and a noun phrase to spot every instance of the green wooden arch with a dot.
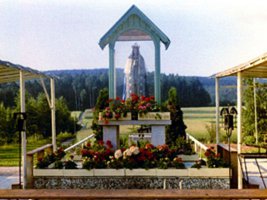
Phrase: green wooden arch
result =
(134, 25)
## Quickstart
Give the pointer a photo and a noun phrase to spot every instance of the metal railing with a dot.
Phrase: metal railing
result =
(198, 146)
(80, 142)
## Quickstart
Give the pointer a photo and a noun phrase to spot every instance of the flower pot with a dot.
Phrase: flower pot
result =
(154, 116)
(134, 115)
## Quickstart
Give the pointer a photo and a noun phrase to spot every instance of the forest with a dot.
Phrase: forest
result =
(80, 88)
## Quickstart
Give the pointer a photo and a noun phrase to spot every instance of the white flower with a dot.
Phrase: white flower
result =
(126, 153)
(118, 154)
(134, 150)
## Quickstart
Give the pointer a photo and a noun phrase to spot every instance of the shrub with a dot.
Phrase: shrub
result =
(249, 140)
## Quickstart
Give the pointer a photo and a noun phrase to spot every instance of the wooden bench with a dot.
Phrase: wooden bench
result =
(132, 194)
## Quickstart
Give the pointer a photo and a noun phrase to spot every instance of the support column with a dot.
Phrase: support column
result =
(255, 111)
(53, 114)
(23, 133)
(217, 102)
(112, 85)
(157, 71)
(239, 126)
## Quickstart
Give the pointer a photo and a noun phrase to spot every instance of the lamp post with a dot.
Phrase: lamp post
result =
(20, 118)
(228, 116)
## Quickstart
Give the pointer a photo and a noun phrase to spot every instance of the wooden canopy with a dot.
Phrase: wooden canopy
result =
(10, 72)
(256, 68)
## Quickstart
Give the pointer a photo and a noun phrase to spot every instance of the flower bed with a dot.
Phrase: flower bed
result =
(146, 167)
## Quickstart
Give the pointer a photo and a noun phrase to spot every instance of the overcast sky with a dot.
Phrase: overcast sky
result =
(207, 36)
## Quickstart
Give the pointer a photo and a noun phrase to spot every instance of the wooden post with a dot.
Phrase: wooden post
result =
(217, 102)
(239, 126)
(157, 71)
(255, 110)
(53, 114)
(112, 72)
(23, 133)
(29, 160)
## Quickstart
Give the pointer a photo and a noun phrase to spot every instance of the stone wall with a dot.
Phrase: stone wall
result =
(72, 182)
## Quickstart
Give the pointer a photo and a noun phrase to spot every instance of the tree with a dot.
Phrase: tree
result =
(248, 113)
(177, 127)
(101, 104)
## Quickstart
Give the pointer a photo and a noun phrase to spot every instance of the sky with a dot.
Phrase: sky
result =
(207, 36)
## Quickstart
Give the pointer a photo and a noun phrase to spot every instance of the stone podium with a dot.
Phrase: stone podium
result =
(111, 130)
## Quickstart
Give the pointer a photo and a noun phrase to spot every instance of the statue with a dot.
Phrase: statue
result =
(135, 74)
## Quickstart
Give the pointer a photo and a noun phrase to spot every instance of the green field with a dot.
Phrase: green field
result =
(9, 154)
(196, 120)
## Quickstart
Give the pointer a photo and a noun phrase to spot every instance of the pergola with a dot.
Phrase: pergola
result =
(134, 25)
(10, 72)
(256, 68)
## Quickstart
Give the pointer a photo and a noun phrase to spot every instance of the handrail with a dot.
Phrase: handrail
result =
(29, 160)
(80, 142)
(42, 148)
(197, 143)
(132, 194)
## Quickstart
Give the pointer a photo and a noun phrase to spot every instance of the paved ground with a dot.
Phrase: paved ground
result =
(8, 176)
(253, 172)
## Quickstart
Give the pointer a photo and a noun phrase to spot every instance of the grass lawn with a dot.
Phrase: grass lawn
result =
(196, 120)
(9, 154)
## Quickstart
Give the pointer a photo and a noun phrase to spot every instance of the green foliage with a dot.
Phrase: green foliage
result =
(61, 137)
(249, 140)
(177, 127)
(70, 164)
(211, 129)
(248, 113)
(7, 128)
(101, 104)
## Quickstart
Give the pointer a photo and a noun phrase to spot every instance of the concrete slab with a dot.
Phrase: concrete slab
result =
(8, 176)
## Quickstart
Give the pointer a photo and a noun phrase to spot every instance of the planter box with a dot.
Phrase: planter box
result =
(209, 172)
(191, 172)
(189, 158)
(140, 172)
(127, 117)
(109, 172)
(154, 116)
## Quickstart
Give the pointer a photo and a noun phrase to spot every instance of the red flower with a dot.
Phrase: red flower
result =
(109, 144)
(149, 146)
(88, 144)
(101, 142)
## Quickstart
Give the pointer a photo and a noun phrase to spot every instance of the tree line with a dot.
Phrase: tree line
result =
(80, 88)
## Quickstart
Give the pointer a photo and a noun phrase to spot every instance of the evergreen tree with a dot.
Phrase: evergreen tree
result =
(101, 104)
(177, 127)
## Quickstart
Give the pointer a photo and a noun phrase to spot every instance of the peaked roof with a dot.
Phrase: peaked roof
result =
(10, 72)
(133, 31)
